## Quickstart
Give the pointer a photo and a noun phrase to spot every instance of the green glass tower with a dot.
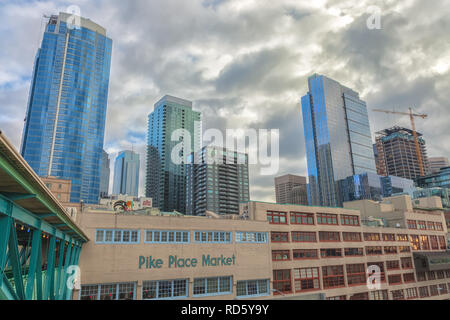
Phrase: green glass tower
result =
(166, 179)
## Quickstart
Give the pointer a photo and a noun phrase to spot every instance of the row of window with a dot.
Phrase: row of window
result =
(279, 217)
(307, 279)
(424, 225)
(418, 242)
(108, 236)
(308, 254)
(433, 275)
(176, 289)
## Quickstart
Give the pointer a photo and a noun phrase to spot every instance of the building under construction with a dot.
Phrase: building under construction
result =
(396, 153)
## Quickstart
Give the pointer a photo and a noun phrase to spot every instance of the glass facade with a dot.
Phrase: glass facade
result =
(126, 174)
(166, 180)
(104, 175)
(65, 121)
(337, 137)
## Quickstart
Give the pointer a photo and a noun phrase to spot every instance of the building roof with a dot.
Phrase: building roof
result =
(19, 183)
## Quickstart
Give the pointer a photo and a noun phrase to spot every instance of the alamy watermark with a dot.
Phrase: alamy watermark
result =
(374, 20)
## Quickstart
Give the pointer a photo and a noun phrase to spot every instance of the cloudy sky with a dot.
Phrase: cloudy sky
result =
(245, 64)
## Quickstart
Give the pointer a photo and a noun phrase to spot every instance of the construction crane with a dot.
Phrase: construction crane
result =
(413, 125)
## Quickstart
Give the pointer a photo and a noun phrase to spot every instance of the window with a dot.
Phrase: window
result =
(360, 296)
(380, 265)
(302, 218)
(407, 263)
(388, 237)
(279, 236)
(431, 275)
(442, 243)
(329, 236)
(374, 250)
(275, 217)
(403, 249)
(439, 226)
(415, 242)
(402, 237)
(306, 279)
(251, 237)
(434, 243)
(351, 236)
(398, 295)
(327, 219)
(117, 236)
(333, 276)
(430, 225)
(337, 298)
(409, 277)
(395, 279)
(434, 291)
(442, 288)
(356, 274)
(424, 243)
(303, 254)
(392, 265)
(421, 276)
(116, 291)
(421, 225)
(349, 252)
(252, 288)
(378, 295)
(390, 250)
(411, 224)
(372, 237)
(331, 253)
(166, 236)
(411, 293)
(440, 274)
(423, 292)
(212, 286)
(280, 255)
(282, 281)
(447, 273)
(304, 236)
(347, 220)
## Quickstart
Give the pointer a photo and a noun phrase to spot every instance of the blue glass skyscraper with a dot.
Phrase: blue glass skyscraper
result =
(337, 137)
(126, 174)
(65, 121)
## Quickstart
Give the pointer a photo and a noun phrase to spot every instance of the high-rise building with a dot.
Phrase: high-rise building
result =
(291, 189)
(217, 181)
(338, 138)
(439, 179)
(436, 163)
(397, 154)
(126, 174)
(65, 120)
(104, 175)
(166, 179)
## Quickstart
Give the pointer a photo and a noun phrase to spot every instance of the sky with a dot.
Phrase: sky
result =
(245, 64)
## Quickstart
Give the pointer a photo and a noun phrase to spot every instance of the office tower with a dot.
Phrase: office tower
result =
(65, 120)
(436, 163)
(397, 153)
(284, 189)
(337, 136)
(217, 181)
(126, 174)
(104, 175)
(166, 179)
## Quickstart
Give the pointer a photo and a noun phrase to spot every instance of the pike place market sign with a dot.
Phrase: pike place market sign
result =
(174, 262)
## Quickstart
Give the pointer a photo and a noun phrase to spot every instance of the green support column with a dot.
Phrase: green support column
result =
(72, 262)
(15, 262)
(64, 274)
(32, 270)
(49, 291)
(5, 228)
(39, 269)
(60, 267)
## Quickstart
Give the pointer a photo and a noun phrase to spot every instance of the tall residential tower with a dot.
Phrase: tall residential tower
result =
(166, 176)
(337, 136)
(65, 120)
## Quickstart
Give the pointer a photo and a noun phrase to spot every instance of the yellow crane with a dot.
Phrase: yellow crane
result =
(411, 115)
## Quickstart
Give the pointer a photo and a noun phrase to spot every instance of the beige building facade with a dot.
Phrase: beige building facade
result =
(269, 251)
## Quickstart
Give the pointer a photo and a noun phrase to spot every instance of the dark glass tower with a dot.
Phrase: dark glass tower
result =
(166, 179)
(65, 121)
(337, 136)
